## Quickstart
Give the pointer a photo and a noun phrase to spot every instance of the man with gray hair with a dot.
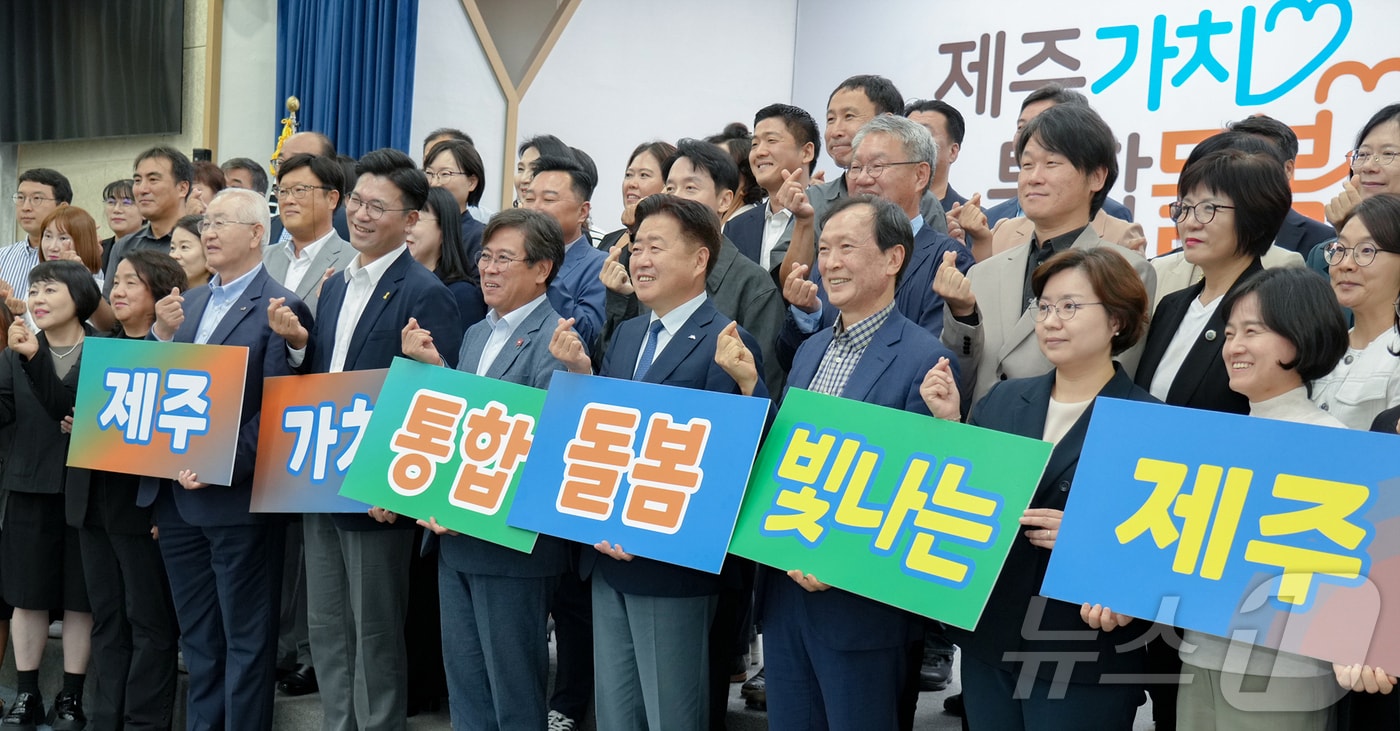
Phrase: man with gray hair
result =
(224, 562)
(892, 158)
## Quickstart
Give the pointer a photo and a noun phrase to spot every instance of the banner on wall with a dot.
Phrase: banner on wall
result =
(311, 429)
(1277, 534)
(658, 470)
(152, 408)
(1163, 77)
(900, 507)
(448, 445)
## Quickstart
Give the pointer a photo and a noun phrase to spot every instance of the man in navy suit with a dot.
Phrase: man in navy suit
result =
(1298, 233)
(495, 600)
(309, 143)
(651, 620)
(357, 568)
(894, 159)
(224, 562)
(833, 659)
(785, 144)
(563, 188)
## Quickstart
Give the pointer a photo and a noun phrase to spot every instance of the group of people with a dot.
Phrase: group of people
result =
(736, 269)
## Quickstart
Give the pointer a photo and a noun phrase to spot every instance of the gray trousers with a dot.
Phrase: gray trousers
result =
(357, 597)
(651, 660)
(1212, 699)
(293, 644)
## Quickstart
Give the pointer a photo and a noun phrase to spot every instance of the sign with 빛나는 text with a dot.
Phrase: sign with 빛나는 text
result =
(899, 507)
(1273, 533)
(152, 408)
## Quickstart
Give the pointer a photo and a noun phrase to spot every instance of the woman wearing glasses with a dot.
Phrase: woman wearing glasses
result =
(435, 241)
(1089, 306)
(122, 217)
(1373, 170)
(456, 167)
(1364, 264)
(187, 250)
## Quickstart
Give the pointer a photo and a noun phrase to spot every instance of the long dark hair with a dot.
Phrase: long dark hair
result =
(452, 258)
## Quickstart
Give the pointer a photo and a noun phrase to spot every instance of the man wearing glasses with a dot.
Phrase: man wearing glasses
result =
(161, 184)
(308, 143)
(41, 191)
(308, 196)
(357, 567)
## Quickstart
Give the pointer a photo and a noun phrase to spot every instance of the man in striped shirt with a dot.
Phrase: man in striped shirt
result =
(41, 192)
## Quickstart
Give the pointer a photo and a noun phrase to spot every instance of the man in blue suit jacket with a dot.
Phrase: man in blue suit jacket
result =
(651, 620)
(893, 158)
(495, 600)
(833, 659)
(357, 568)
(562, 188)
(224, 562)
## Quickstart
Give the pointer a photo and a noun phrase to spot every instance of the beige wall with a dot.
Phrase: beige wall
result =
(91, 164)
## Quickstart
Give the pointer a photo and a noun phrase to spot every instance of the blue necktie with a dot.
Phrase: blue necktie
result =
(648, 351)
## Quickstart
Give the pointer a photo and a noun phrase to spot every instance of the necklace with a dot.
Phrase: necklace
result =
(59, 355)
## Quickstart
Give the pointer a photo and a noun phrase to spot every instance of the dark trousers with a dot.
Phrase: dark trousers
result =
(226, 582)
(572, 609)
(991, 702)
(729, 635)
(134, 633)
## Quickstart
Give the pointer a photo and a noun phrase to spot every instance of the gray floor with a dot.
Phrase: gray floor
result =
(304, 713)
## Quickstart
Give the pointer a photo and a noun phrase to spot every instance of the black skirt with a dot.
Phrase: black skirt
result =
(43, 566)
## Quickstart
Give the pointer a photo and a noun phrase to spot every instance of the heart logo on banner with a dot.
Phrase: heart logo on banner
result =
(1307, 12)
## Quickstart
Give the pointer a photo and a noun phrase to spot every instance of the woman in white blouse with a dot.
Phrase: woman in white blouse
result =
(1365, 270)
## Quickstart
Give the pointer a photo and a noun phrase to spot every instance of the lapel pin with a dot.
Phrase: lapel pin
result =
(1210, 335)
(387, 295)
(520, 342)
(692, 337)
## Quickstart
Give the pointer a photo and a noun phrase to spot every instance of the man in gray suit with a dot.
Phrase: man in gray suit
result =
(308, 195)
(495, 600)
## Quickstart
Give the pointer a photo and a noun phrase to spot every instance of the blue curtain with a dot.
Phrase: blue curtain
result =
(350, 62)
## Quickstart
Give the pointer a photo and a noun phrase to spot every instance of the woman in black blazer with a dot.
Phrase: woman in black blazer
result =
(42, 568)
(1091, 307)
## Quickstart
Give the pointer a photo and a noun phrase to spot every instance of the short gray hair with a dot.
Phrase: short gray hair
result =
(251, 207)
(918, 144)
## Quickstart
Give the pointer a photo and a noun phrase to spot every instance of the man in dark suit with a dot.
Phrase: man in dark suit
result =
(1299, 233)
(785, 145)
(357, 568)
(893, 158)
(563, 188)
(495, 600)
(225, 563)
(833, 659)
(947, 126)
(309, 189)
(651, 620)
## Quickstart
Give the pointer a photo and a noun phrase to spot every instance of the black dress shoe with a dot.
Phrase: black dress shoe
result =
(953, 705)
(755, 691)
(67, 713)
(934, 673)
(25, 714)
(300, 681)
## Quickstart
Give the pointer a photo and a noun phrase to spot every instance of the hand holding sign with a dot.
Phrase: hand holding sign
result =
(1365, 679)
(1102, 618)
(1044, 524)
(170, 314)
(807, 581)
(615, 552)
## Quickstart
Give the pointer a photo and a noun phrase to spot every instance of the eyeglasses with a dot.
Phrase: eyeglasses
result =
(375, 209)
(219, 225)
(1361, 254)
(119, 202)
(876, 169)
(500, 260)
(1359, 158)
(441, 175)
(298, 191)
(1064, 309)
(38, 200)
(1204, 212)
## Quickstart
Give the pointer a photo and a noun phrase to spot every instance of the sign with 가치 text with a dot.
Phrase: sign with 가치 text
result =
(152, 408)
(899, 507)
(448, 445)
(1278, 534)
(311, 430)
(658, 470)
